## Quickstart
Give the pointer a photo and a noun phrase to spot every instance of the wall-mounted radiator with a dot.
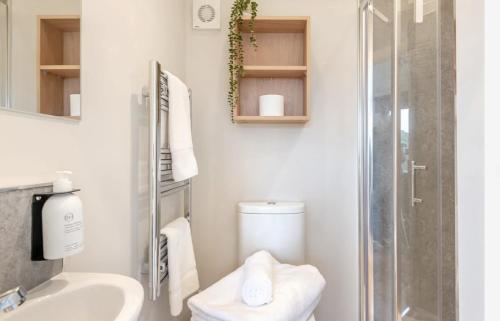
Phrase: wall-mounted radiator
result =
(161, 183)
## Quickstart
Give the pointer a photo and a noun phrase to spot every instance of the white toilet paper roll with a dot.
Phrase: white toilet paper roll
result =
(271, 105)
(74, 105)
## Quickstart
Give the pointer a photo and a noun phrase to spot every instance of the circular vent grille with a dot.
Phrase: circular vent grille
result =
(206, 13)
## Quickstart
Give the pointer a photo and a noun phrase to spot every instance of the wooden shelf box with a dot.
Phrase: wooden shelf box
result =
(58, 63)
(280, 65)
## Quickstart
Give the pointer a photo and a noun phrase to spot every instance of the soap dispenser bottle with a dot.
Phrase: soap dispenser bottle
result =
(62, 221)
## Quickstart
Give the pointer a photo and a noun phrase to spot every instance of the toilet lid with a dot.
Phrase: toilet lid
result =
(271, 207)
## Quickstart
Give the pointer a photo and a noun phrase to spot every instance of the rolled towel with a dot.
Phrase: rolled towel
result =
(257, 286)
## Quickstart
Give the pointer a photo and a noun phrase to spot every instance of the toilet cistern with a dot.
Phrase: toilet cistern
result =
(277, 227)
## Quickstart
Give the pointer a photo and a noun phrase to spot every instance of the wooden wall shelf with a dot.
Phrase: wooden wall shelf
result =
(275, 71)
(280, 65)
(58, 63)
(273, 120)
(65, 71)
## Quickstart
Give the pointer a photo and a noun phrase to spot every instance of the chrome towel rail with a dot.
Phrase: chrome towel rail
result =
(161, 181)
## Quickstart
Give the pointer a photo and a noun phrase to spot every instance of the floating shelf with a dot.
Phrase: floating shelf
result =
(275, 71)
(280, 65)
(276, 24)
(65, 23)
(65, 71)
(272, 120)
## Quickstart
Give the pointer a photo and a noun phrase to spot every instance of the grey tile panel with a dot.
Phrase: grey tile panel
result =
(16, 267)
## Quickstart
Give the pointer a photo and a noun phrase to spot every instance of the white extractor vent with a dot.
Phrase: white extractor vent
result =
(206, 14)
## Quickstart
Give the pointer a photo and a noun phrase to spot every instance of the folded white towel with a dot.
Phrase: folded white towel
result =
(306, 316)
(257, 288)
(198, 318)
(182, 273)
(297, 291)
(184, 164)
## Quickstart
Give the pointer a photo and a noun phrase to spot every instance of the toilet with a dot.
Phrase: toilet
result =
(277, 227)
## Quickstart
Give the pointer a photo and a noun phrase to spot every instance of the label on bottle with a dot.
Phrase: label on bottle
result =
(73, 231)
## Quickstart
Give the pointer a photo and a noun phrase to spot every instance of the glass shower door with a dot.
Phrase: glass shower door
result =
(377, 150)
(407, 165)
(425, 224)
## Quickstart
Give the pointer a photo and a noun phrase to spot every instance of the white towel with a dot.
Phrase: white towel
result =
(182, 273)
(297, 291)
(257, 288)
(307, 316)
(184, 164)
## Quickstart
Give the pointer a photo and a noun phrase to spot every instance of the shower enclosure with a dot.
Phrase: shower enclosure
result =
(407, 160)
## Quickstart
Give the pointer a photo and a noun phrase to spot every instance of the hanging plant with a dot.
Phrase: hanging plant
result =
(236, 52)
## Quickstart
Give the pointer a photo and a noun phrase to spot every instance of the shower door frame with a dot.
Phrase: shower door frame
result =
(365, 85)
(365, 155)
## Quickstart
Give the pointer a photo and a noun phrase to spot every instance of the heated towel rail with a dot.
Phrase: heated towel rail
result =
(161, 181)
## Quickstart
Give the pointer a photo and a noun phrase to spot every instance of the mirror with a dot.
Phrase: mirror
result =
(40, 57)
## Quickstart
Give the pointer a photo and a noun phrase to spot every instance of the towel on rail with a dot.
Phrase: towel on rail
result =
(184, 164)
(183, 275)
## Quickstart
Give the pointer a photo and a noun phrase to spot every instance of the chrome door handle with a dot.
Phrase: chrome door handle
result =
(414, 168)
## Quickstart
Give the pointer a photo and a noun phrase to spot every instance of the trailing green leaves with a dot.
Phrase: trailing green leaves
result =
(236, 52)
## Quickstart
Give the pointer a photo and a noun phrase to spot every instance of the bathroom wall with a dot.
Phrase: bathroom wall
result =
(34, 147)
(16, 267)
(471, 158)
(492, 133)
(315, 163)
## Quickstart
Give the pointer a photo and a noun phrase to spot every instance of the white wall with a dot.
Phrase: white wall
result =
(33, 148)
(315, 163)
(492, 158)
(470, 158)
(478, 158)
(23, 15)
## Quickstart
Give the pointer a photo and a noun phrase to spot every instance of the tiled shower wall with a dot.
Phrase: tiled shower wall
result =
(16, 267)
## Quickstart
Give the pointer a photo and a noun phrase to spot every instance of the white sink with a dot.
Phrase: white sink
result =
(82, 297)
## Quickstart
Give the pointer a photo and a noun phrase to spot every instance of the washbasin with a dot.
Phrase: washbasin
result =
(82, 297)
